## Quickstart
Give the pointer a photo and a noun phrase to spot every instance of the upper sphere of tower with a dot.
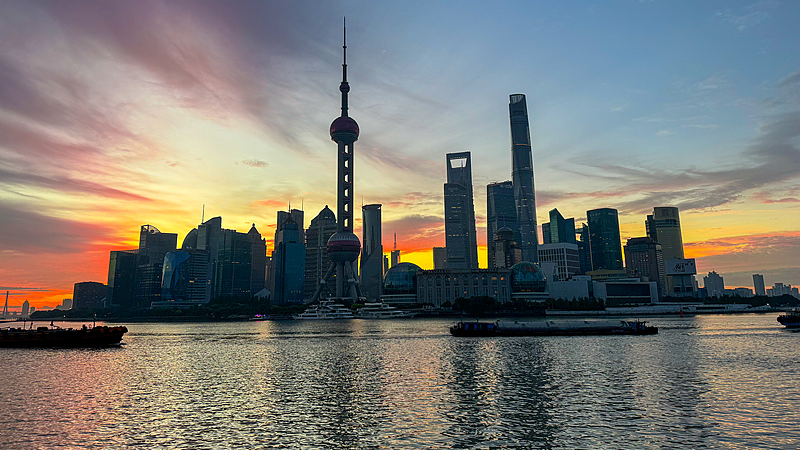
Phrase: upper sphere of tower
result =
(344, 129)
(344, 87)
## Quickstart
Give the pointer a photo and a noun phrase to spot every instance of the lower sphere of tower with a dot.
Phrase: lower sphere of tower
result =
(344, 246)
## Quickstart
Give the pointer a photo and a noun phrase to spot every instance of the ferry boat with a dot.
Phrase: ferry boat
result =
(380, 310)
(56, 337)
(551, 328)
(325, 310)
(790, 319)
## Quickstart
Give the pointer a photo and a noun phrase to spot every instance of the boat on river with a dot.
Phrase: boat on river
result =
(56, 337)
(551, 328)
(325, 310)
(791, 319)
(380, 310)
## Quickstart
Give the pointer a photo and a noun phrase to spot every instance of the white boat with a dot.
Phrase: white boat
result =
(325, 310)
(380, 310)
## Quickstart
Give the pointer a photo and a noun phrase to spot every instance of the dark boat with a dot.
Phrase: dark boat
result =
(790, 319)
(551, 328)
(54, 337)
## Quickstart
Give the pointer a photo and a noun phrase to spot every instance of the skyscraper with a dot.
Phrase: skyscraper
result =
(344, 246)
(604, 239)
(584, 250)
(758, 284)
(258, 260)
(459, 213)
(372, 253)
(288, 260)
(643, 259)
(522, 177)
(209, 238)
(319, 231)
(500, 212)
(439, 258)
(506, 251)
(664, 227)
(89, 295)
(559, 229)
(564, 255)
(234, 264)
(714, 284)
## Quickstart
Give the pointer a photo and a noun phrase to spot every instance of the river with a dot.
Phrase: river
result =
(717, 381)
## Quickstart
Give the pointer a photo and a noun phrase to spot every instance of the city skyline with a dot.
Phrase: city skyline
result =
(116, 115)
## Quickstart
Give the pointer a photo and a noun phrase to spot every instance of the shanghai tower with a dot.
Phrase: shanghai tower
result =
(522, 177)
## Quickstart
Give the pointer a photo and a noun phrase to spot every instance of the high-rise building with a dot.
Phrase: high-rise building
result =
(88, 295)
(584, 251)
(344, 246)
(501, 211)
(604, 239)
(122, 279)
(26, 309)
(234, 264)
(714, 284)
(395, 257)
(459, 213)
(559, 229)
(758, 284)
(522, 176)
(185, 279)
(643, 259)
(372, 253)
(319, 231)
(288, 262)
(664, 227)
(439, 258)
(153, 245)
(258, 261)
(506, 249)
(564, 255)
(209, 238)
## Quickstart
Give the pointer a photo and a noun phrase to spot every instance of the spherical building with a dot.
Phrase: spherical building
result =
(344, 129)
(400, 283)
(344, 246)
(528, 277)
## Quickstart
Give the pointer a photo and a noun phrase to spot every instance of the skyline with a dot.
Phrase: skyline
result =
(115, 115)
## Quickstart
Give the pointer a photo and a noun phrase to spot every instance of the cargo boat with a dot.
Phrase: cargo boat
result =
(790, 319)
(551, 328)
(55, 337)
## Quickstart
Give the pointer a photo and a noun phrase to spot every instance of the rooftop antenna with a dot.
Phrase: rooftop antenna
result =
(344, 86)
(395, 241)
(302, 204)
(203, 215)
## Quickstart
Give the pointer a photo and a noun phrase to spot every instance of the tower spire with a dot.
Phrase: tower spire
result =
(344, 87)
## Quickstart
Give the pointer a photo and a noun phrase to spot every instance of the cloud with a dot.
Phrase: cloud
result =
(254, 163)
(747, 17)
(790, 79)
(414, 233)
(764, 197)
(30, 232)
(269, 203)
(756, 253)
(773, 157)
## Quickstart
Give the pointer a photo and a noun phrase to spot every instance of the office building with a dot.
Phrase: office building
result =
(185, 279)
(604, 240)
(88, 295)
(459, 213)
(664, 227)
(501, 212)
(506, 249)
(122, 279)
(371, 253)
(26, 309)
(522, 177)
(559, 229)
(234, 263)
(439, 258)
(564, 255)
(584, 250)
(644, 260)
(209, 238)
(758, 284)
(288, 260)
(322, 227)
(444, 286)
(258, 261)
(714, 284)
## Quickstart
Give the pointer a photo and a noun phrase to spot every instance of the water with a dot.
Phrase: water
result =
(703, 382)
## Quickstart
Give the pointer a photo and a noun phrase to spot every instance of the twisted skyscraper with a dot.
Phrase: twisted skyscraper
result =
(522, 177)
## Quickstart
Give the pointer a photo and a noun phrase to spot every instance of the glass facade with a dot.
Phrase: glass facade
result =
(528, 277)
(604, 239)
(459, 213)
(501, 211)
(522, 177)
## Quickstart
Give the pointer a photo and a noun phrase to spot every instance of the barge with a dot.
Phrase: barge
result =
(551, 328)
(55, 337)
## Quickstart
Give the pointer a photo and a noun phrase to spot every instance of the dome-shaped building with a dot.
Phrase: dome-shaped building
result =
(400, 283)
(528, 277)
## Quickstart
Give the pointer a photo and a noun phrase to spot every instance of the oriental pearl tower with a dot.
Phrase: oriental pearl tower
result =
(344, 246)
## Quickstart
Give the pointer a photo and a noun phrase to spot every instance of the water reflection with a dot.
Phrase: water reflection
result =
(711, 382)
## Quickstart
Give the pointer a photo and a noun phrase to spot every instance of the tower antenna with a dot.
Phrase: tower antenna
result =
(203, 214)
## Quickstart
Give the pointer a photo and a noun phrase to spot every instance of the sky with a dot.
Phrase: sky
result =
(115, 114)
